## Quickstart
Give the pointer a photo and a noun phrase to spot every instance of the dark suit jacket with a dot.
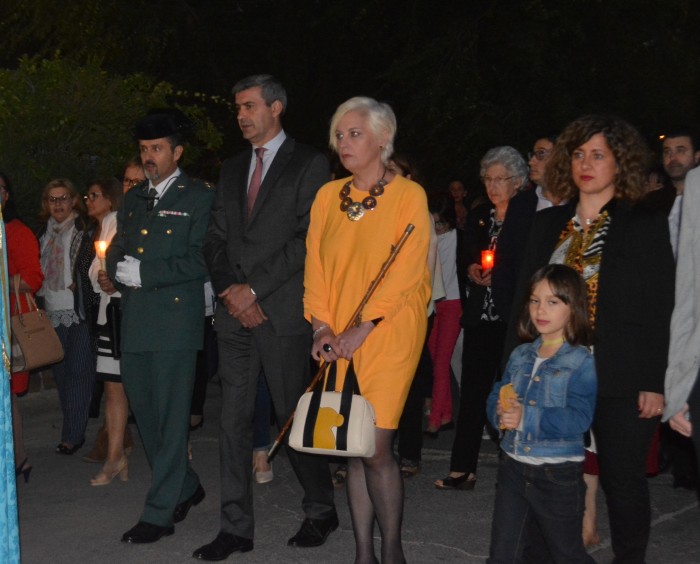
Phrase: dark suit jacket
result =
(509, 251)
(635, 294)
(166, 313)
(661, 199)
(268, 250)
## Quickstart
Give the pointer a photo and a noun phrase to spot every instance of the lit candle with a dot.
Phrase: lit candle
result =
(486, 260)
(101, 250)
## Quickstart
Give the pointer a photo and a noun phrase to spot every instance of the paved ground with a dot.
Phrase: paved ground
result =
(64, 519)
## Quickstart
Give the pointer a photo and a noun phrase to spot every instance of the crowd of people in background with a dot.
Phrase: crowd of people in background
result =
(571, 251)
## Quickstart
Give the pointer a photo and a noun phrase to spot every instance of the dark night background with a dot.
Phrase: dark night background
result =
(462, 77)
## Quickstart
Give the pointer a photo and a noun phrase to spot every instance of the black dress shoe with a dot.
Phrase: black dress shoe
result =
(182, 509)
(314, 532)
(222, 546)
(144, 533)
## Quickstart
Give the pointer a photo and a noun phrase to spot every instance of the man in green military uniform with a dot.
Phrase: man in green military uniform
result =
(156, 260)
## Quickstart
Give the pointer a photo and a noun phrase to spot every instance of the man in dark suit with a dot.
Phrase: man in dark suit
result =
(516, 226)
(156, 260)
(255, 249)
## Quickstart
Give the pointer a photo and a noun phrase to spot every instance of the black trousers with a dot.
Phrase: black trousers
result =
(411, 423)
(243, 354)
(481, 355)
(623, 440)
(207, 363)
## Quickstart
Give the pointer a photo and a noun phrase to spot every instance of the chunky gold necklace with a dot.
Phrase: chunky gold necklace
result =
(355, 210)
(559, 341)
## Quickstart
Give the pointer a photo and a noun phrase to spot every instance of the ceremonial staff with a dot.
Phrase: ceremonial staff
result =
(353, 321)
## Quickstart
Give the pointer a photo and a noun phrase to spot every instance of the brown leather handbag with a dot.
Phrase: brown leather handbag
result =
(34, 340)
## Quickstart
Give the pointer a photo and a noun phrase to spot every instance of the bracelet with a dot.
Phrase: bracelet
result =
(317, 331)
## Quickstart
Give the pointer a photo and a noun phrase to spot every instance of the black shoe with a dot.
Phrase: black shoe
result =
(463, 482)
(24, 470)
(144, 533)
(314, 532)
(222, 546)
(63, 448)
(182, 509)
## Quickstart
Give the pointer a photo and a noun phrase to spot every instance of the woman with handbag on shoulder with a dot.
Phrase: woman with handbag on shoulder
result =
(354, 224)
(22, 263)
(65, 241)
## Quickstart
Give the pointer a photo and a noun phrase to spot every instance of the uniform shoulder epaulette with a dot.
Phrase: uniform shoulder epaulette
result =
(203, 184)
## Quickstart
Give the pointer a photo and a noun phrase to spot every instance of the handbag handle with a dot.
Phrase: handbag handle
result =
(350, 388)
(27, 295)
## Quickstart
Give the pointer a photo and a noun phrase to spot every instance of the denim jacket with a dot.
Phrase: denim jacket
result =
(558, 401)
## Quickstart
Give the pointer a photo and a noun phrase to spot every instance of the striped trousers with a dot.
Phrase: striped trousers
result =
(75, 377)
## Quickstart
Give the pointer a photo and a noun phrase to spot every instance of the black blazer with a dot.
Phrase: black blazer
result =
(510, 248)
(661, 199)
(268, 250)
(635, 294)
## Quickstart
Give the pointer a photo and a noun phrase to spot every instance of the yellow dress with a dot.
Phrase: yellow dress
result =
(343, 257)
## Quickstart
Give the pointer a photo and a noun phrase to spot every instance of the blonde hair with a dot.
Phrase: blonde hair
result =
(379, 115)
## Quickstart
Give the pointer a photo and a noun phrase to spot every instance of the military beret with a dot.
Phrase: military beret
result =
(163, 123)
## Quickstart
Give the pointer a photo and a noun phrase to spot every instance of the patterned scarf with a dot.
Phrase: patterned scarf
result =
(583, 252)
(53, 253)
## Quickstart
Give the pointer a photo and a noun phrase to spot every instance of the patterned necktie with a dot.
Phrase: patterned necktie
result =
(256, 179)
(152, 197)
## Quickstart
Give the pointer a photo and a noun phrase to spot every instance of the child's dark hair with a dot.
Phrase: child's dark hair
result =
(569, 287)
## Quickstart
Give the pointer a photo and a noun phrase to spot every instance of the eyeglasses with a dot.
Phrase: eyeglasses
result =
(497, 181)
(92, 196)
(58, 199)
(131, 182)
(540, 155)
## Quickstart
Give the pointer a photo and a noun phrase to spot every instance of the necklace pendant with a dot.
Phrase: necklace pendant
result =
(355, 211)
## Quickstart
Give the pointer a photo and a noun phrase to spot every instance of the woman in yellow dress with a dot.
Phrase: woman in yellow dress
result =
(354, 223)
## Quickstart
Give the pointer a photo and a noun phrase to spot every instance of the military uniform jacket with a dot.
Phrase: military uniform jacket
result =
(167, 311)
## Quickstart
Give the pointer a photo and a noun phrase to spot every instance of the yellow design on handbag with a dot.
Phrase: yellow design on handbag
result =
(334, 423)
(327, 420)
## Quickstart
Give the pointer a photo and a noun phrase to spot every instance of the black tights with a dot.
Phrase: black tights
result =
(375, 489)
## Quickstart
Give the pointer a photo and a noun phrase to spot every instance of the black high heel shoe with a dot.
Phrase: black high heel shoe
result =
(24, 470)
(465, 482)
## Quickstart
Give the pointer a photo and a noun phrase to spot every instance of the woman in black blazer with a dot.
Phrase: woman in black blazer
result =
(624, 255)
(503, 171)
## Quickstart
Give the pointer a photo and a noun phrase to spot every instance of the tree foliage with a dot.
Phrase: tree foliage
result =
(61, 119)
(462, 77)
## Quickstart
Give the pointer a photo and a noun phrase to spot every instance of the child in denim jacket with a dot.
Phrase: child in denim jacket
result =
(540, 477)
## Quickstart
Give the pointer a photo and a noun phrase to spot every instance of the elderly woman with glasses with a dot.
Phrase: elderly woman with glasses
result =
(503, 172)
(65, 243)
(354, 223)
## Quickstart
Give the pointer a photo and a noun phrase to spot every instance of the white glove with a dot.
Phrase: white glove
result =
(129, 272)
